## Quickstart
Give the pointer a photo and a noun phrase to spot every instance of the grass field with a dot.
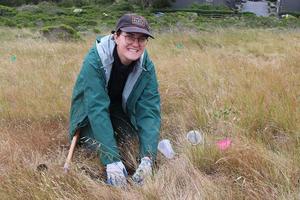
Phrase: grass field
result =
(239, 84)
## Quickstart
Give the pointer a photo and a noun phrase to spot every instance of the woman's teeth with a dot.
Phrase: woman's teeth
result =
(133, 50)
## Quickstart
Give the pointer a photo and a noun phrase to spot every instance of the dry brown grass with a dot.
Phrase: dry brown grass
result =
(239, 84)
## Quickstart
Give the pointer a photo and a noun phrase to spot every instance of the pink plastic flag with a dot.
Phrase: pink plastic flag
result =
(224, 144)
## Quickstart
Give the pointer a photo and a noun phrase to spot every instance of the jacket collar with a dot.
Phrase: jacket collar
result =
(105, 47)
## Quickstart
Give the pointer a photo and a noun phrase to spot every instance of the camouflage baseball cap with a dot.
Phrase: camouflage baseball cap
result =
(132, 23)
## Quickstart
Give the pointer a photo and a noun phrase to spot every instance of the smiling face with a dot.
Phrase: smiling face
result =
(130, 46)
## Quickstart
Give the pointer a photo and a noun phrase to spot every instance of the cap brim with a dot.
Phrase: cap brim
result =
(136, 30)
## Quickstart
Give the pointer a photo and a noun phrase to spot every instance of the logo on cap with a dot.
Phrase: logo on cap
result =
(139, 21)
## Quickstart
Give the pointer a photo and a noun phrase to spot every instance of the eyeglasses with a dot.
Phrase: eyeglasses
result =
(130, 39)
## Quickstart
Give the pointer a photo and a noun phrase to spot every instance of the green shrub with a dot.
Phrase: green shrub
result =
(88, 7)
(65, 27)
(69, 20)
(25, 19)
(29, 8)
(101, 2)
(10, 23)
(66, 3)
(161, 3)
(208, 7)
(248, 14)
(121, 6)
(96, 30)
(12, 2)
(79, 3)
(81, 28)
(7, 11)
(90, 22)
(60, 32)
(50, 9)
(153, 3)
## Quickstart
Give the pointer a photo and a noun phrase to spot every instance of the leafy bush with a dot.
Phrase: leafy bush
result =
(78, 3)
(61, 32)
(12, 2)
(50, 8)
(66, 3)
(7, 11)
(70, 21)
(152, 3)
(10, 23)
(29, 8)
(161, 3)
(27, 19)
(208, 7)
(121, 6)
(23, 2)
(81, 2)
(90, 22)
(96, 30)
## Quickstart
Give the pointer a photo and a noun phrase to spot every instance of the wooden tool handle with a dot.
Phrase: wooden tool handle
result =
(71, 151)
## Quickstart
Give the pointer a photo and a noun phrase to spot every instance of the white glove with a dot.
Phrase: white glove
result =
(143, 171)
(116, 174)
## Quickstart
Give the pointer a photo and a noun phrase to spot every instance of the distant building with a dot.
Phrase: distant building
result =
(286, 6)
(186, 3)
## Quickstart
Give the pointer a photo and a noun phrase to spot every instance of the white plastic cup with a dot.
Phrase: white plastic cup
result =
(165, 147)
(194, 137)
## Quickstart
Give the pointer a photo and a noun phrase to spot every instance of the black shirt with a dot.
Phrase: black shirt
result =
(117, 80)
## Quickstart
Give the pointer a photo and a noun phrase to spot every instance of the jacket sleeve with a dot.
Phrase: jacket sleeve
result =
(97, 106)
(148, 118)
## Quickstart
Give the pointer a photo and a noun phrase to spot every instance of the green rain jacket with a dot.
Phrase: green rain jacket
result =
(140, 101)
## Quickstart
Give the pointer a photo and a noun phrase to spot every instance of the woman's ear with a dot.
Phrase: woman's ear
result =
(116, 38)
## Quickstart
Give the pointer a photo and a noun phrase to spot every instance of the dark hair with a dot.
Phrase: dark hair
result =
(118, 33)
